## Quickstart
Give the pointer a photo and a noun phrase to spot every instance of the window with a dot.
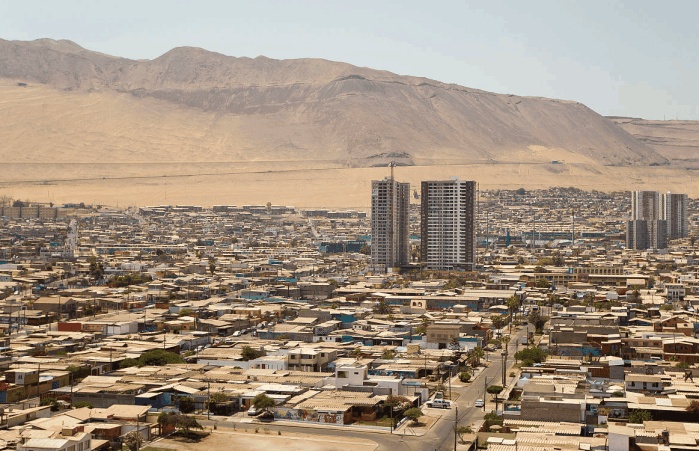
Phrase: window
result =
(342, 374)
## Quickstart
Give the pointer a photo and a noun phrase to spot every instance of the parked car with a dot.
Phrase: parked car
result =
(479, 403)
(439, 404)
(253, 412)
(266, 416)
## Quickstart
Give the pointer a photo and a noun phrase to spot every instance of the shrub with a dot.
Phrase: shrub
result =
(464, 376)
(186, 404)
(81, 404)
(639, 416)
(413, 414)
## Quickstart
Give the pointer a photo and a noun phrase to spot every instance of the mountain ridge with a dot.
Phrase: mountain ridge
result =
(247, 109)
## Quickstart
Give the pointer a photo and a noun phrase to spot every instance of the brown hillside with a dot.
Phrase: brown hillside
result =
(676, 140)
(195, 127)
(239, 109)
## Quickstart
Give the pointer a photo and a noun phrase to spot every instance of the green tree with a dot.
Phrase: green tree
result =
(248, 353)
(530, 356)
(464, 376)
(129, 362)
(50, 402)
(476, 355)
(388, 354)
(398, 402)
(513, 305)
(422, 328)
(179, 421)
(186, 312)
(498, 321)
(413, 414)
(495, 390)
(159, 357)
(133, 441)
(81, 404)
(463, 430)
(262, 401)
(186, 404)
(96, 268)
(682, 365)
(639, 416)
(543, 283)
(538, 320)
(218, 397)
(356, 352)
(505, 339)
(382, 308)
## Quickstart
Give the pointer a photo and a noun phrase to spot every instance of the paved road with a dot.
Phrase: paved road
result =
(441, 436)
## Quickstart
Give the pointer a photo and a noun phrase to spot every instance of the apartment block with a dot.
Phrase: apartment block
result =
(448, 219)
(390, 205)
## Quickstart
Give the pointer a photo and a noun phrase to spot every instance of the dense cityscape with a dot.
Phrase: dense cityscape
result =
(444, 318)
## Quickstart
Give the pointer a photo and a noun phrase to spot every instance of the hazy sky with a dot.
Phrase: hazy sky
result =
(632, 58)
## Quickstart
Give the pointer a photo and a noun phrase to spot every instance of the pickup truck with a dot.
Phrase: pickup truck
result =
(439, 404)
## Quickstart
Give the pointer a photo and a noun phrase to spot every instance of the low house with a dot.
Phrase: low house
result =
(56, 305)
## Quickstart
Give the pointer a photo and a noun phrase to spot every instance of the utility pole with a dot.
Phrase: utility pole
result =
(450, 383)
(485, 387)
(456, 425)
(208, 391)
(38, 383)
(390, 406)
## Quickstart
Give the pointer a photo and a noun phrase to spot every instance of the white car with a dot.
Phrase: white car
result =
(439, 404)
(479, 403)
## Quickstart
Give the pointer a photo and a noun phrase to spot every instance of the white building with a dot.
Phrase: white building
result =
(448, 224)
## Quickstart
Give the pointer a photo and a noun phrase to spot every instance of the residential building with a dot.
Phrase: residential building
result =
(673, 209)
(390, 205)
(647, 228)
(448, 218)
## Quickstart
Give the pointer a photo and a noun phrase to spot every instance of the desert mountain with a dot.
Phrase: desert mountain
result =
(60, 102)
(676, 140)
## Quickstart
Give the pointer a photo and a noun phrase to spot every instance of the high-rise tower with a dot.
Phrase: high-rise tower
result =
(673, 209)
(448, 224)
(390, 209)
(647, 228)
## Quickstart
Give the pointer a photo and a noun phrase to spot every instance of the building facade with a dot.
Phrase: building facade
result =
(390, 237)
(647, 228)
(673, 209)
(448, 224)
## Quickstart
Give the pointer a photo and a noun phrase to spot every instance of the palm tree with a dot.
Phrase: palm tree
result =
(513, 306)
(476, 355)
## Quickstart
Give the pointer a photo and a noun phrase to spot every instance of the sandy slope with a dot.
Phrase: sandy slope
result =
(341, 188)
(195, 127)
(676, 140)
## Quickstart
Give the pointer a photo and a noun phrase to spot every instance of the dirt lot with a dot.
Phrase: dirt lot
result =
(249, 440)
